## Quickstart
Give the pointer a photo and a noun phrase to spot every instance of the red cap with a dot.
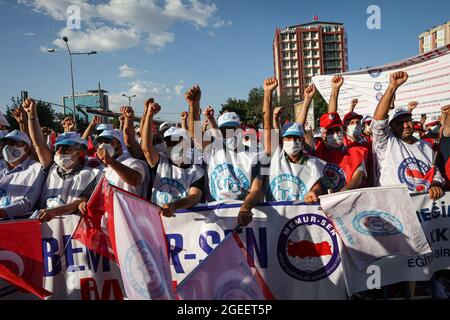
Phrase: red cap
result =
(330, 120)
(352, 115)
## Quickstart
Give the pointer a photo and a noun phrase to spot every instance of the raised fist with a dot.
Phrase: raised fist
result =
(337, 81)
(309, 91)
(277, 112)
(398, 78)
(96, 120)
(193, 95)
(153, 108)
(68, 124)
(270, 84)
(354, 102)
(209, 112)
(445, 109)
(148, 102)
(103, 156)
(412, 105)
(128, 112)
(20, 115)
(29, 105)
(184, 115)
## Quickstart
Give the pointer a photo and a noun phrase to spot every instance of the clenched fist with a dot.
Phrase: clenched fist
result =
(104, 157)
(337, 81)
(209, 112)
(30, 106)
(277, 112)
(354, 102)
(270, 84)
(193, 95)
(398, 78)
(309, 91)
(153, 107)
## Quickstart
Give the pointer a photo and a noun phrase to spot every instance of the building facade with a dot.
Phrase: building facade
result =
(303, 51)
(434, 38)
(95, 99)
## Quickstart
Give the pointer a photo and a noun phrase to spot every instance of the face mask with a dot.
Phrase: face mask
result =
(247, 143)
(335, 140)
(416, 135)
(109, 148)
(64, 161)
(161, 147)
(367, 130)
(12, 154)
(354, 130)
(292, 148)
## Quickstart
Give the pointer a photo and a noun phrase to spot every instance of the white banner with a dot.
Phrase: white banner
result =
(295, 247)
(428, 84)
(435, 221)
(373, 223)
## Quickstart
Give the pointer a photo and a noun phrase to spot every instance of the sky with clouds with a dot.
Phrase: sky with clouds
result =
(159, 48)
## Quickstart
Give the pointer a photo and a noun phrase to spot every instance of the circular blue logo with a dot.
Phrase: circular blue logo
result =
(375, 73)
(228, 182)
(53, 202)
(379, 96)
(378, 86)
(413, 172)
(333, 177)
(235, 290)
(168, 191)
(142, 271)
(308, 248)
(287, 187)
(4, 199)
(377, 224)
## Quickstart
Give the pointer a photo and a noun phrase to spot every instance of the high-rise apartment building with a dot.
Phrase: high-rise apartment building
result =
(434, 38)
(303, 51)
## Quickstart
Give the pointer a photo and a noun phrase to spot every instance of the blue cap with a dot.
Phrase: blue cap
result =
(17, 135)
(229, 119)
(104, 126)
(69, 139)
(292, 129)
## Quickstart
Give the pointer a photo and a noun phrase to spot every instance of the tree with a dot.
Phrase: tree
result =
(45, 112)
(320, 107)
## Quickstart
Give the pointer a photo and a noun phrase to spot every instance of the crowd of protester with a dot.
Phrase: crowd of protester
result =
(179, 166)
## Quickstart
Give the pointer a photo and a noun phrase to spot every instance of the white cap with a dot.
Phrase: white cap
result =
(104, 126)
(165, 126)
(17, 135)
(70, 138)
(229, 119)
(397, 113)
(175, 133)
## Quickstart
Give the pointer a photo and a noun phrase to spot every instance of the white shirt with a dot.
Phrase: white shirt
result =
(61, 189)
(127, 160)
(291, 181)
(172, 183)
(230, 173)
(20, 187)
(399, 162)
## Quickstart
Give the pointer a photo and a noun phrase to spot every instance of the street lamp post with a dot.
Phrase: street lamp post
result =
(129, 98)
(66, 41)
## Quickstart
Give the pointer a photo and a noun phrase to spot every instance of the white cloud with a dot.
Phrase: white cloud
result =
(43, 49)
(122, 24)
(179, 87)
(222, 23)
(127, 72)
(30, 34)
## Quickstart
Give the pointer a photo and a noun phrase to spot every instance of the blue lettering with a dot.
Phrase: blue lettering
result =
(426, 214)
(94, 259)
(252, 246)
(49, 249)
(70, 251)
(174, 249)
(203, 241)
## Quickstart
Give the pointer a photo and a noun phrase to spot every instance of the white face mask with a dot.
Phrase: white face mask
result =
(109, 148)
(64, 161)
(335, 140)
(247, 143)
(292, 148)
(354, 130)
(416, 135)
(12, 154)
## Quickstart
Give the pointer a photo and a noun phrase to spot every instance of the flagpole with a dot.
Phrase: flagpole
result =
(208, 256)
(68, 241)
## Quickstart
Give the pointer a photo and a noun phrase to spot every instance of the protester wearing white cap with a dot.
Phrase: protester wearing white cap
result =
(233, 169)
(293, 175)
(69, 182)
(178, 182)
(401, 157)
(121, 170)
(21, 177)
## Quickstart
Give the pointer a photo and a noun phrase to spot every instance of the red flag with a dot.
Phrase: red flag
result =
(92, 230)
(21, 256)
(91, 150)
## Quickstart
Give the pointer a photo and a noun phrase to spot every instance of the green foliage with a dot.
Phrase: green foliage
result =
(45, 112)
(320, 107)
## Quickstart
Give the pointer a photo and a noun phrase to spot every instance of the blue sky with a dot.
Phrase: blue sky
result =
(160, 48)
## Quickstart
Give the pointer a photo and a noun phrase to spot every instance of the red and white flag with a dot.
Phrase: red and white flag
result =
(226, 274)
(139, 241)
(21, 256)
(93, 229)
